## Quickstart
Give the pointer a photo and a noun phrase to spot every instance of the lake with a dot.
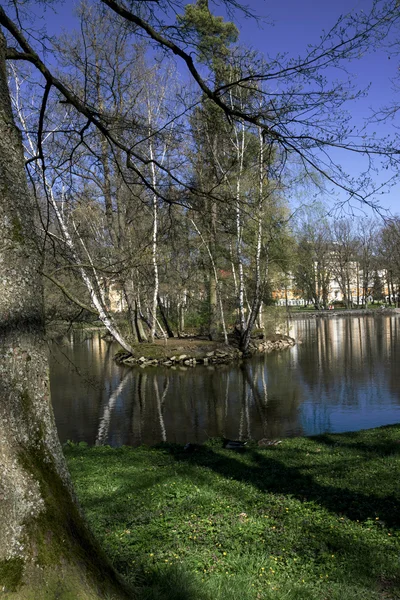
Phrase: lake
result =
(342, 376)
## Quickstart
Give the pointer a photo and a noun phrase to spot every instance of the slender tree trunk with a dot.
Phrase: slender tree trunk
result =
(120, 225)
(107, 188)
(96, 298)
(45, 546)
(154, 243)
(164, 318)
(349, 295)
(217, 287)
(104, 155)
(94, 287)
(388, 286)
(393, 290)
(138, 321)
(365, 276)
(129, 295)
(240, 156)
(153, 111)
(212, 282)
(261, 316)
(257, 300)
(235, 285)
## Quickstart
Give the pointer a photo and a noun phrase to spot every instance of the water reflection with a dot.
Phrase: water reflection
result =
(341, 377)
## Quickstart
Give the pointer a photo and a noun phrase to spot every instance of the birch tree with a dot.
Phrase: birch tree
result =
(93, 287)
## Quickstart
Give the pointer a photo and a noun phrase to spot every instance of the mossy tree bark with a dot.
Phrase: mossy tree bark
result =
(46, 550)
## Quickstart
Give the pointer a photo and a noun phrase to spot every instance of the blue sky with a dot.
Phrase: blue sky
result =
(297, 23)
(290, 26)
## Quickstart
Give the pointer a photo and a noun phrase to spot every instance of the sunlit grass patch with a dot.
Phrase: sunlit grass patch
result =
(310, 518)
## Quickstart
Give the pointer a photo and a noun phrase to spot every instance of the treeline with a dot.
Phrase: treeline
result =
(197, 232)
(166, 196)
(361, 255)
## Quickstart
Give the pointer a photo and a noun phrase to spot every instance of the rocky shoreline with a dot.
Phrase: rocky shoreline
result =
(195, 354)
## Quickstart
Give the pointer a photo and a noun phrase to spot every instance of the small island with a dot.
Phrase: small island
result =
(192, 351)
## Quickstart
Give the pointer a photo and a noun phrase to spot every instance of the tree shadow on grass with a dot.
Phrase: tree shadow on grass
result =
(291, 471)
(318, 470)
(387, 446)
(263, 470)
(310, 474)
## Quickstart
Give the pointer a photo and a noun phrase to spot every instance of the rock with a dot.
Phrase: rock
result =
(141, 360)
(172, 358)
(122, 355)
(209, 354)
(129, 361)
(182, 357)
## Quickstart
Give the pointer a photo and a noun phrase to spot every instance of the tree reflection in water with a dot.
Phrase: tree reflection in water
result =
(343, 376)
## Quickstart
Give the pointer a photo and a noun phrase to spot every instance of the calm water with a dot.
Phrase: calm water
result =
(343, 376)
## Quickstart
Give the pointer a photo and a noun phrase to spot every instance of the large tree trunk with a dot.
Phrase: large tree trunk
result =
(46, 549)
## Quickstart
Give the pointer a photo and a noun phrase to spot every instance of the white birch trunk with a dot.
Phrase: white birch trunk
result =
(152, 115)
(97, 301)
(235, 284)
(239, 227)
(154, 244)
(104, 316)
(260, 211)
(258, 287)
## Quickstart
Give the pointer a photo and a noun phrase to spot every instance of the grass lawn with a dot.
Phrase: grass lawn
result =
(312, 518)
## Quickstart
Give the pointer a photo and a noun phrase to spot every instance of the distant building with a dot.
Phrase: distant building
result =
(289, 295)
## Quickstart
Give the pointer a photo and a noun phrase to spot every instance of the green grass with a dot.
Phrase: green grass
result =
(313, 518)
